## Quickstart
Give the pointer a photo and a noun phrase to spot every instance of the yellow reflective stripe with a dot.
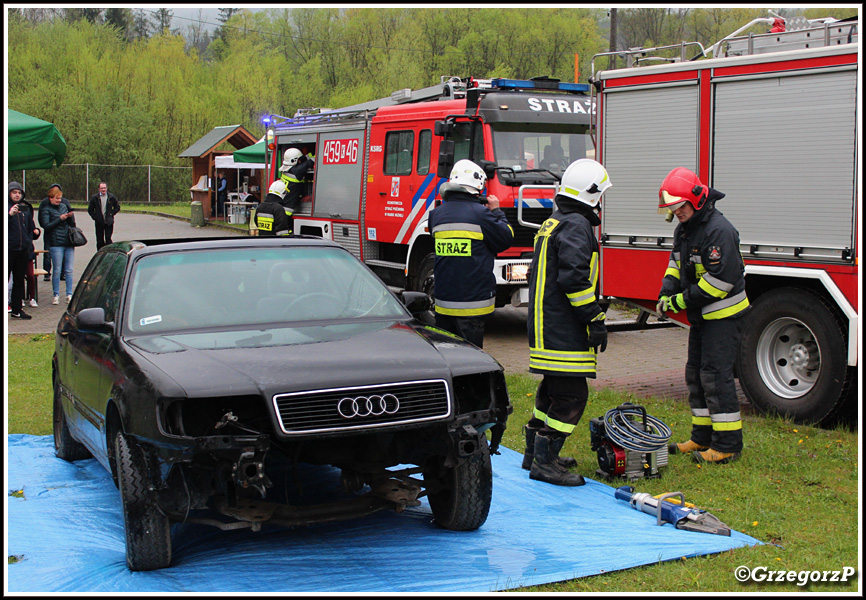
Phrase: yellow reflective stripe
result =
(675, 273)
(511, 230)
(545, 365)
(714, 286)
(559, 425)
(728, 426)
(599, 317)
(539, 288)
(560, 360)
(725, 308)
(464, 312)
(289, 179)
(464, 235)
(588, 295)
(701, 420)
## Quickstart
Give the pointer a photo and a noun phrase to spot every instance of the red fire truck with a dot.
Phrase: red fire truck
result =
(772, 121)
(379, 165)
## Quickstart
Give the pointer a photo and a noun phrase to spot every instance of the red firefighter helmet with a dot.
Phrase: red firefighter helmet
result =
(681, 186)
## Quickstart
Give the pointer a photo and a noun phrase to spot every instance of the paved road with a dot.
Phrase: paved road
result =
(641, 362)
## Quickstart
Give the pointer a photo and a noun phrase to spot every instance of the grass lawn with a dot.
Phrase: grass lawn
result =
(796, 488)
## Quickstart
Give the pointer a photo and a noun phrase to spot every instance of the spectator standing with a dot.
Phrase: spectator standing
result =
(55, 218)
(102, 208)
(222, 194)
(46, 258)
(22, 232)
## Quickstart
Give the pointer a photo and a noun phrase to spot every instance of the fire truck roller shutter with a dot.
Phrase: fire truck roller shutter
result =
(663, 118)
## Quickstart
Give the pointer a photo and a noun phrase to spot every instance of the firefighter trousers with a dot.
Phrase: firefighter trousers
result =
(470, 329)
(713, 347)
(559, 404)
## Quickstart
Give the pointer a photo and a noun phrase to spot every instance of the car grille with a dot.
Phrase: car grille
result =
(333, 410)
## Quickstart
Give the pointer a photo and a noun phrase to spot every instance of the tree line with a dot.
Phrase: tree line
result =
(125, 88)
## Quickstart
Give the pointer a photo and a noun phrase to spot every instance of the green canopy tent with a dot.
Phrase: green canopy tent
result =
(251, 154)
(33, 143)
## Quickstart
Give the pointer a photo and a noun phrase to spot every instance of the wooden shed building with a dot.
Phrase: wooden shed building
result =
(204, 169)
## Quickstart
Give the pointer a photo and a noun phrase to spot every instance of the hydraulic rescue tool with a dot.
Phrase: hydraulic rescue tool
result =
(627, 447)
(682, 517)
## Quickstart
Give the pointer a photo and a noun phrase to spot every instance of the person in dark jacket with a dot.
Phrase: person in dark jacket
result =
(46, 258)
(706, 278)
(468, 232)
(102, 207)
(22, 232)
(270, 217)
(293, 173)
(55, 218)
(564, 321)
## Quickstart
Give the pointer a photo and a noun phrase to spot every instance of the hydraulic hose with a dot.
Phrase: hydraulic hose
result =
(648, 434)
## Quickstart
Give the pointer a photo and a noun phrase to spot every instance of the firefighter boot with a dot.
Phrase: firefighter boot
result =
(686, 448)
(528, 454)
(715, 457)
(545, 466)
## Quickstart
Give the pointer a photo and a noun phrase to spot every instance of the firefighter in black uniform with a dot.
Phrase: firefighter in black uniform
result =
(468, 232)
(293, 174)
(270, 216)
(565, 322)
(705, 277)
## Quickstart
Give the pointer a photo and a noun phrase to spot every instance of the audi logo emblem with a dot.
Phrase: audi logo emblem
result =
(366, 406)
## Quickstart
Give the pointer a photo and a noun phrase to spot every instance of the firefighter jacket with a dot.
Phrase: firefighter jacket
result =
(293, 179)
(467, 237)
(707, 267)
(271, 218)
(563, 293)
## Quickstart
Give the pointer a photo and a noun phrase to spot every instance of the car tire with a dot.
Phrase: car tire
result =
(792, 359)
(148, 531)
(461, 495)
(424, 283)
(65, 446)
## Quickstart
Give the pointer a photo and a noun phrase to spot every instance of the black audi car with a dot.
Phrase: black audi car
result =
(200, 372)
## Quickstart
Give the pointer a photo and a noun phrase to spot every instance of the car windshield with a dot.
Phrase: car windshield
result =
(522, 147)
(250, 287)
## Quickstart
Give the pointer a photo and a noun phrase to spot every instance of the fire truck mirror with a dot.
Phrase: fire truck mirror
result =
(446, 158)
(489, 168)
(443, 128)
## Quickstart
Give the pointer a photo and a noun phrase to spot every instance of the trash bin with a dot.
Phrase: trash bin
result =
(196, 214)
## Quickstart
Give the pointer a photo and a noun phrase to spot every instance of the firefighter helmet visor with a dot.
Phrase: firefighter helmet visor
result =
(667, 202)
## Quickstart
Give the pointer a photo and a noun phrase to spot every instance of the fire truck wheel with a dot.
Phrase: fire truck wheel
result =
(792, 359)
(424, 283)
(460, 496)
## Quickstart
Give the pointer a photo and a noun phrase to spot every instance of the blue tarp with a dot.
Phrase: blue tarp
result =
(67, 534)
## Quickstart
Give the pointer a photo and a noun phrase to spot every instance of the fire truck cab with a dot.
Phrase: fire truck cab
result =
(379, 165)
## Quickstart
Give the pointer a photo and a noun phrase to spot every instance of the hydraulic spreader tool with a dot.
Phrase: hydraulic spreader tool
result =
(682, 517)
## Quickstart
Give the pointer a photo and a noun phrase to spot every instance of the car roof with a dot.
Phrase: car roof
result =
(148, 246)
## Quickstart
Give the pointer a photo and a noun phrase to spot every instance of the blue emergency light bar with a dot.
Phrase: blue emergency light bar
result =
(521, 84)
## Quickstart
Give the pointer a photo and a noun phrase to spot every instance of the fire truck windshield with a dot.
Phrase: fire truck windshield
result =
(525, 147)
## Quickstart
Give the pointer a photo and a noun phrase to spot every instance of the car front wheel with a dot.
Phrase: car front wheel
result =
(460, 496)
(148, 531)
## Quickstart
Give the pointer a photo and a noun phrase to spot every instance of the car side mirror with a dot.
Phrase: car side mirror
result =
(93, 319)
(416, 302)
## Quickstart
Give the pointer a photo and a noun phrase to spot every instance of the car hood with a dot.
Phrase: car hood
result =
(290, 359)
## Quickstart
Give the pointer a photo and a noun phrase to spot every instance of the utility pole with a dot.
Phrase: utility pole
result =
(612, 47)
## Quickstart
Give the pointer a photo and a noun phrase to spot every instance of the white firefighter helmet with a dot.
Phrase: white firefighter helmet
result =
(584, 180)
(278, 188)
(469, 175)
(290, 159)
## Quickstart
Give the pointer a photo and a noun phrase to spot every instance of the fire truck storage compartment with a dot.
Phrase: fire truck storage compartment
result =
(647, 132)
(340, 165)
(778, 180)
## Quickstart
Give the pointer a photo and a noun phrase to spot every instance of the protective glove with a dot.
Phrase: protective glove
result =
(677, 303)
(662, 306)
(597, 335)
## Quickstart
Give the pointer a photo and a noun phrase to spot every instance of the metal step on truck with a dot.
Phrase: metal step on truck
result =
(771, 120)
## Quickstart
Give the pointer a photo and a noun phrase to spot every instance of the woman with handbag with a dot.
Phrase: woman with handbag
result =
(56, 219)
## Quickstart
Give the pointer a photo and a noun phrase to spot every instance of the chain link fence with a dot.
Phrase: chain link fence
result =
(130, 183)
